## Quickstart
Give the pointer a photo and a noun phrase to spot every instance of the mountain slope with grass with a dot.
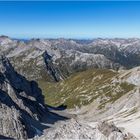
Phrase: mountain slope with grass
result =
(96, 96)
(82, 88)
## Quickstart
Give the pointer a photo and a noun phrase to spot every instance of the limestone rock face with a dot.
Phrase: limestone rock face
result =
(52, 70)
(74, 129)
(107, 128)
(21, 104)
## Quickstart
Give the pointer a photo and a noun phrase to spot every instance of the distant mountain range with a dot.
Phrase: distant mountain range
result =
(69, 55)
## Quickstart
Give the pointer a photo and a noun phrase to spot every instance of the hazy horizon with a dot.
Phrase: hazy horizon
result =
(68, 38)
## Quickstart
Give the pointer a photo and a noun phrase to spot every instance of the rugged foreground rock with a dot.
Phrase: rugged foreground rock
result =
(73, 129)
(22, 105)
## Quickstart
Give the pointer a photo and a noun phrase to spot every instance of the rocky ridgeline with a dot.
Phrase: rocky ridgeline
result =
(22, 105)
(69, 56)
(74, 129)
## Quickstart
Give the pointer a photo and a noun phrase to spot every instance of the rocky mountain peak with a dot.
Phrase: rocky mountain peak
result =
(4, 40)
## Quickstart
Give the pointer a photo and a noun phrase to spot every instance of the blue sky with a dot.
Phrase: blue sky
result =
(70, 19)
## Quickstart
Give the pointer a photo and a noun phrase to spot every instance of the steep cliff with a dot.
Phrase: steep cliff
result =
(22, 105)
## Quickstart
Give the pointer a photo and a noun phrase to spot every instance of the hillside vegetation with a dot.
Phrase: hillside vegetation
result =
(84, 87)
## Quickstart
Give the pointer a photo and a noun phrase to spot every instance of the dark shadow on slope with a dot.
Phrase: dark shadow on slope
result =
(2, 78)
(31, 96)
(20, 83)
(60, 107)
(53, 118)
(5, 138)
(26, 119)
(52, 69)
(47, 117)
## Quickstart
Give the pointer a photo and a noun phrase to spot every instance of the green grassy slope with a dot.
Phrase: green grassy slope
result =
(84, 87)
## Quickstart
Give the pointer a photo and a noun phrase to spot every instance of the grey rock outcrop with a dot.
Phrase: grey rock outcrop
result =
(107, 128)
(73, 129)
(21, 104)
(52, 70)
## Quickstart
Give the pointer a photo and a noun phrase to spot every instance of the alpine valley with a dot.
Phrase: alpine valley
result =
(70, 89)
